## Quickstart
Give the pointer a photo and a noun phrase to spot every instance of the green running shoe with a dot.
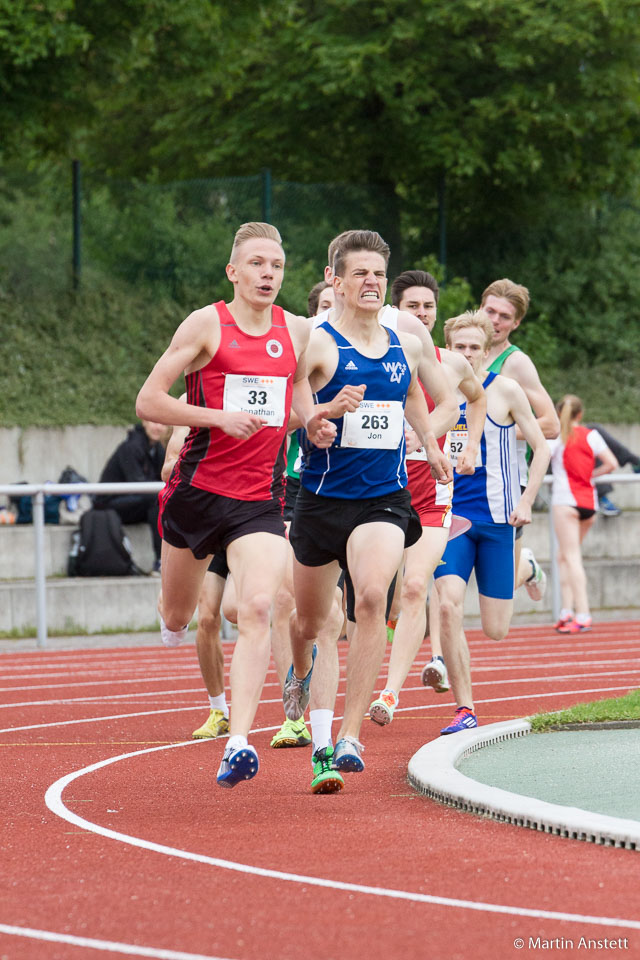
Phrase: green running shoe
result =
(325, 778)
(292, 733)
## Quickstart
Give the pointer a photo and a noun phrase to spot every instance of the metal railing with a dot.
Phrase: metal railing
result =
(38, 491)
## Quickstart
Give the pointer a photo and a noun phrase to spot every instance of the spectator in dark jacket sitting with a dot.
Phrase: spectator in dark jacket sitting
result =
(139, 458)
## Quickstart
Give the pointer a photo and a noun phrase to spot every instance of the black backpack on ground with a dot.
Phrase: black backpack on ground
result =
(100, 547)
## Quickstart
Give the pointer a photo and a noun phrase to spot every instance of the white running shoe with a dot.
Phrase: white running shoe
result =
(435, 675)
(172, 638)
(537, 582)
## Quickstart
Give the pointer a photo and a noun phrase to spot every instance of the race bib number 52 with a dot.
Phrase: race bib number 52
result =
(262, 396)
(375, 424)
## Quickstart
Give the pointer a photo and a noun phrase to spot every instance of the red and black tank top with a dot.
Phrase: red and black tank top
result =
(250, 373)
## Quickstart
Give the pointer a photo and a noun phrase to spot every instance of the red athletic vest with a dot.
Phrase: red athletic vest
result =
(247, 367)
(421, 484)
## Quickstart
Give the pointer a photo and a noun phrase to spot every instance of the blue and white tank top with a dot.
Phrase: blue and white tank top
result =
(367, 458)
(493, 491)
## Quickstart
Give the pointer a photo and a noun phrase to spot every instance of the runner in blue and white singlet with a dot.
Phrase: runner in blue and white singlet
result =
(490, 494)
(353, 506)
(492, 500)
(368, 456)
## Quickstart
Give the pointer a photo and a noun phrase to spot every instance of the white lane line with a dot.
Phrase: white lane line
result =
(421, 706)
(535, 665)
(99, 698)
(153, 672)
(110, 946)
(115, 716)
(544, 679)
(100, 683)
(53, 800)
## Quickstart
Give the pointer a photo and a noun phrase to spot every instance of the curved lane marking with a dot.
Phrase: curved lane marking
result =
(199, 706)
(111, 946)
(53, 800)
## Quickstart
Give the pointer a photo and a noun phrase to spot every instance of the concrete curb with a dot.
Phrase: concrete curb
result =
(432, 771)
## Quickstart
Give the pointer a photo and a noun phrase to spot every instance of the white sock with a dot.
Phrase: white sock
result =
(237, 742)
(582, 617)
(172, 638)
(321, 721)
(219, 703)
(566, 614)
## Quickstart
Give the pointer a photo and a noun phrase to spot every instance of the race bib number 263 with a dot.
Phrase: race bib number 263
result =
(375, 424)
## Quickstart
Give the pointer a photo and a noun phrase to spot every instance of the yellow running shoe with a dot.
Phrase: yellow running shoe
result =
(216, 725)
(292, 733)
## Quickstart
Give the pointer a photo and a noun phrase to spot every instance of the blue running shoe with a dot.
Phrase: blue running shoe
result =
(347, 755)
(237, 765)
(464, 719)
(295, 695)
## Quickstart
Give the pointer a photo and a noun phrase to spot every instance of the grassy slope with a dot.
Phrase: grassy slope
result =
(81, 359)
(616, 708)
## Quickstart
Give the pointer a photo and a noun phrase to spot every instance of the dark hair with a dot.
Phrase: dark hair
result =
(355, 242)
(413, 278)
(314, 297)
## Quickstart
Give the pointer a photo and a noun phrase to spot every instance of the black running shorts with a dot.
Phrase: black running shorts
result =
(321, 526)
(290, 496)
(218, 565)
(206, 523)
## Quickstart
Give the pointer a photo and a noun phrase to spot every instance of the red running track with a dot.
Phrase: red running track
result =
(117, 840)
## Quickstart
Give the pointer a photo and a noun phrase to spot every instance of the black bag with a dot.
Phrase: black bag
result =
(100, 547)
(24, 507)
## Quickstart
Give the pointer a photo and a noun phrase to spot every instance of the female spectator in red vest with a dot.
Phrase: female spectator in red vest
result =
(574, 504)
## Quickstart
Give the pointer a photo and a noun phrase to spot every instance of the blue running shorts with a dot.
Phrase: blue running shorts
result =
(489, 548)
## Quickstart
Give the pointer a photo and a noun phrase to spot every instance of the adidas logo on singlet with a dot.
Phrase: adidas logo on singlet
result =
(351, 366)
(234, 343)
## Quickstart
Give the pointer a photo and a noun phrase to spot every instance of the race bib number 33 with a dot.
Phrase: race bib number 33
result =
(262, 396)
(377, 424)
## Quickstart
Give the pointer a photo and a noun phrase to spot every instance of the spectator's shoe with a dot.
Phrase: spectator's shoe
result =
(464, 719)
(537, 582)
(216, 725)
(295, 696)
(607, 508)
(237, 765)
(562, 622)
(391, 629)
(325, 778)
(347, 755)
(292, 733)
(381, 710)
(435, 675)
(172, 638)
(576, 626)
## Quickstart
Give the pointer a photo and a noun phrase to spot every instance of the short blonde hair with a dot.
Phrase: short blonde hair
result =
(252, 231)
(470, 318)
(515, 293)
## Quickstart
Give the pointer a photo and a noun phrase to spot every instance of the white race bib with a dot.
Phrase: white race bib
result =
(376, 424)
(458, 438)
(419, 454)
(262, 396)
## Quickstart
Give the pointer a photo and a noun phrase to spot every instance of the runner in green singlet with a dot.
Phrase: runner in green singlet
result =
(506, 303)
